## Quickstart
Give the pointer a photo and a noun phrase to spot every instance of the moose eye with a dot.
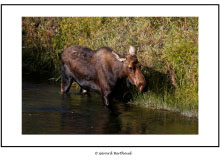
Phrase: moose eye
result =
(130, 68)
(138, 66)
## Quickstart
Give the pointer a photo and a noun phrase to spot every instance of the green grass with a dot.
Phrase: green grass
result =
(167, 49)
(183, 105)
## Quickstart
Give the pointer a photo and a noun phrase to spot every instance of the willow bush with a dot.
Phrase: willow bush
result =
(168, 46)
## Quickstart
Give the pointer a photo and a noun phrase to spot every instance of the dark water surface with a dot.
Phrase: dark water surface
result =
(46, 111)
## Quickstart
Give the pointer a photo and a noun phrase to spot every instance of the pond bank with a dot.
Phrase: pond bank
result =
(190, 114)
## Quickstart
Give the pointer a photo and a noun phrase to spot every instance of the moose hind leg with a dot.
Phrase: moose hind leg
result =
(66, 84)
(66, 80)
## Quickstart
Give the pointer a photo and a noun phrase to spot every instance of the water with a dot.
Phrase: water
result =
(46, 111)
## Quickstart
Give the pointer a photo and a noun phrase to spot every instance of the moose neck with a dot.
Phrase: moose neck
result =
(122, 72)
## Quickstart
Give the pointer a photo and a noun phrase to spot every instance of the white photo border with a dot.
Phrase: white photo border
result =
(11, 59)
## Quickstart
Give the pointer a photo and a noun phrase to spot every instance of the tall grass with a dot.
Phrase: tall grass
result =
(167, 49)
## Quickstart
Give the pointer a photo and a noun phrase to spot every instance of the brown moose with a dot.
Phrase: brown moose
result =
(99, 70)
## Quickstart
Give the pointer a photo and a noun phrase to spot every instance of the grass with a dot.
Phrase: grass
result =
(167, 102)
(167, 49)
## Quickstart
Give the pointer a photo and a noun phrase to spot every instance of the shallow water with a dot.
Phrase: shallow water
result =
(46, 111)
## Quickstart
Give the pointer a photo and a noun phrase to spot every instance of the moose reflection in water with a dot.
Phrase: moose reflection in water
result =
(101, 70)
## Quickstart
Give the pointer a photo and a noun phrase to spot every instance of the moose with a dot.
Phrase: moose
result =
(100, 70)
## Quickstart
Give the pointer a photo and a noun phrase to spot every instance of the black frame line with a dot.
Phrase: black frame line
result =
(111, 5)
(218, 75)
(1, 75)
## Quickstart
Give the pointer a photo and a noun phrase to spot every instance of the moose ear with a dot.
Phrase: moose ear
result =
(117, 57)
(132, 50)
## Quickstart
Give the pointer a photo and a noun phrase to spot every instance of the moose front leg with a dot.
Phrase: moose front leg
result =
(106, 98)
